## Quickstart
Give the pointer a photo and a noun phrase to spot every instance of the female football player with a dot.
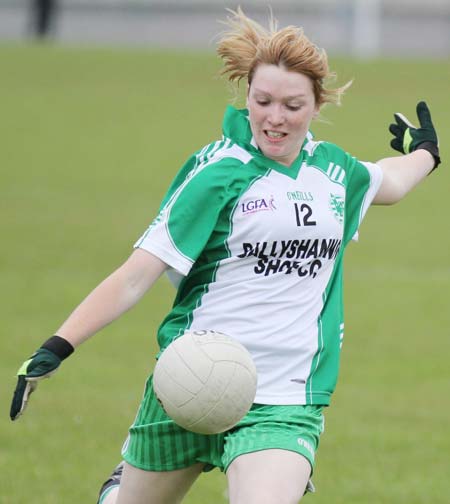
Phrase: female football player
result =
(253, 231)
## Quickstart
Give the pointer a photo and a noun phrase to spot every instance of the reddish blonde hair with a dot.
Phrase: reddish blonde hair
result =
(246, 44)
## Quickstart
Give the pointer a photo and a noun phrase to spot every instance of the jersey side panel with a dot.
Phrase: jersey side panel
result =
(194, 286)
(360, 189)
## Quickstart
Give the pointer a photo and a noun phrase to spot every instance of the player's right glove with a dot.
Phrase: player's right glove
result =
(408, 138)
(42, 364)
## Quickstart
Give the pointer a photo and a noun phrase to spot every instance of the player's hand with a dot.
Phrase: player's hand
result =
(408, 138)
(42, 364)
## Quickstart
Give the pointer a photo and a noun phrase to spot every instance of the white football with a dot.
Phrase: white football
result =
(205, 381)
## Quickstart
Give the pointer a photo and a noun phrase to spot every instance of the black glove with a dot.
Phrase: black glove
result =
(42, 364)
(408, 138)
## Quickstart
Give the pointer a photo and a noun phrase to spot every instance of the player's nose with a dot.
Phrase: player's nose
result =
(275, 115)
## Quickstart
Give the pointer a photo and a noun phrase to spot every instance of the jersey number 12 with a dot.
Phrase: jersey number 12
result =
(303, 215)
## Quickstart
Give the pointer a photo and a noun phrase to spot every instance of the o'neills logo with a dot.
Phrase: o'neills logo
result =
(258, 205)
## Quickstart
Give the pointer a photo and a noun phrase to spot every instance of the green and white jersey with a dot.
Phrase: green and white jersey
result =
(257, 248)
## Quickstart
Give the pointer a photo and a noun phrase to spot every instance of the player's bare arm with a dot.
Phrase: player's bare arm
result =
(114, 296)
(401, 175)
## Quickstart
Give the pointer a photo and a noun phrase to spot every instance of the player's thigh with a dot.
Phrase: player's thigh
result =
(268, 477)
(151, 487)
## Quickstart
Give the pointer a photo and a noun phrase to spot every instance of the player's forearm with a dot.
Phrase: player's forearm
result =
(113, 297)
(401, 174)
(104, 304)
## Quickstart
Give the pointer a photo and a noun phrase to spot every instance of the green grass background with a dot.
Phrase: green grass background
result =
(90, 139)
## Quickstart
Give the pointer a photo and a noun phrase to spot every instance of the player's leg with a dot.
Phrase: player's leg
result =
(151, 487)
(170, 458)
(269, 457)
(268, 477)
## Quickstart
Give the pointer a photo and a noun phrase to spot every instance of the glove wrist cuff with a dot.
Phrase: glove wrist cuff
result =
(433, 149)
(59, 346)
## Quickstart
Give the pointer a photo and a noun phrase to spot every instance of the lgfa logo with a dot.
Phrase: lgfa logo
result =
(258, 205)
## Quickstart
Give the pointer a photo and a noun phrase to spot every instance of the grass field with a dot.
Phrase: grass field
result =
(90, 139)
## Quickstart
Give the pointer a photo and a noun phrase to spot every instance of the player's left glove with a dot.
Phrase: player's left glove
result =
(42, 364)
(408, 138)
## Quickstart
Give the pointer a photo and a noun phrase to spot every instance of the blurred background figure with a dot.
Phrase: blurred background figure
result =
(365, 29)
(43, 17)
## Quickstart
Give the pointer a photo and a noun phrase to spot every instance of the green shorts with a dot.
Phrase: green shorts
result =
(156, 443)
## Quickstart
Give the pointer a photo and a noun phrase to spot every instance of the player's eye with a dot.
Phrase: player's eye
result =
(293, 107)
(263, 103)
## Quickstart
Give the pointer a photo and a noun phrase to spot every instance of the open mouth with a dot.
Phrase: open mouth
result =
(274, 135)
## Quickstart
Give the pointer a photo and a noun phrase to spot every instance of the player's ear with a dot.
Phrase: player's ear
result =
(316, 112)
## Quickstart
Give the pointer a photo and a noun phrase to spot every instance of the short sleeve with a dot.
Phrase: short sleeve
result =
(376, 177)
(185, 223)
(364, 181)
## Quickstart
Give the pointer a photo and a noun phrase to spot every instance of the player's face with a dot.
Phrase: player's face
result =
(281, 107)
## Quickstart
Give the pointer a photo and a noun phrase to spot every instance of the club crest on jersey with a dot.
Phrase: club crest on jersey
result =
(258, 205)
(337, 207)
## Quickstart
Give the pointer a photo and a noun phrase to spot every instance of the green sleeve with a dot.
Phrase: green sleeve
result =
(194, 210)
